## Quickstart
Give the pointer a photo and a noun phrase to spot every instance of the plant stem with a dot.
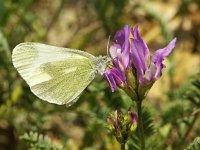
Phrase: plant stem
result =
(123, 145)
(140, 124)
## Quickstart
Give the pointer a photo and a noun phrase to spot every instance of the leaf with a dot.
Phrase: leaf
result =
(39, 142)
(4, 49)
(195, 145)
(147, 122)
(149, 131)
(134, 143)
(193, 92)
(190, 90)
(2, 10)
(186, 99)
(174, 111)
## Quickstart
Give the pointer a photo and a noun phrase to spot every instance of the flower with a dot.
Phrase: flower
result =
(115, 77)
(122, 125)
(140, 57)
(120, 54)
(120, 50)
(140, 53)
(130, 56)
(133, 116)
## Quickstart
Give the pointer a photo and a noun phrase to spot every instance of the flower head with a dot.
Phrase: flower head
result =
(122, 125)
(130, 56)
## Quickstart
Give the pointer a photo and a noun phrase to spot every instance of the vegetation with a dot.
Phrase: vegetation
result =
(171, 109)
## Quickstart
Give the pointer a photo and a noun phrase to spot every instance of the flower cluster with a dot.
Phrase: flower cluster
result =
(122, 125)
(130, 55)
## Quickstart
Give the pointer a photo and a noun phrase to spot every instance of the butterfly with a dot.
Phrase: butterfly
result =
(55, 74)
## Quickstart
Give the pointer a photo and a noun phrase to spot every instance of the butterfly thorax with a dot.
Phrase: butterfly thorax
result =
(101, 63)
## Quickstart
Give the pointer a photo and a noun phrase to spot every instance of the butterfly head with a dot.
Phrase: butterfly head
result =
(101, 64)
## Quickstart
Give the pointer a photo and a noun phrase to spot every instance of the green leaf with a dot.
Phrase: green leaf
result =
(149, 131)
(2, 10)
(174, 111)
(147, 122)
(39, 142)
(4, 49)
(195, 145)
(193, 92)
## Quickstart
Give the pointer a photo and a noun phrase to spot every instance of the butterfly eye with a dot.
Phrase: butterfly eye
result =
(109, 66)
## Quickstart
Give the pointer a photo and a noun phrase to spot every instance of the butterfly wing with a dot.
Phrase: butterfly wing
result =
(54, 74)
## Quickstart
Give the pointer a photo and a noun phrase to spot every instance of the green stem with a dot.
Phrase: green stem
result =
(140, 124)
(123, 145)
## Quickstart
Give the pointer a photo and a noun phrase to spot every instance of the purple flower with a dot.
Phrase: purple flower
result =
(120, 50)
(140, 56)
(130, 56)
(120, 54)
(115, 77)
(140, 53)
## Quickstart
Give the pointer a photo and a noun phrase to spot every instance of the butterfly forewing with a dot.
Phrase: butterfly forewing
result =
(57, 75)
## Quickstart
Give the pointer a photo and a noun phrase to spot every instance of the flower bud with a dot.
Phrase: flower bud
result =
(122, 125)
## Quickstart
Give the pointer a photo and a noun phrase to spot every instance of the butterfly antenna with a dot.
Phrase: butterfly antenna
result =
(108, 45)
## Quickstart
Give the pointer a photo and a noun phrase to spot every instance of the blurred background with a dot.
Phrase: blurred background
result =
(172, 104)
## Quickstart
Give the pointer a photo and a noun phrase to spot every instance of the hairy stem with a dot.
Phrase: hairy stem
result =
(123, 145)
(140, 125)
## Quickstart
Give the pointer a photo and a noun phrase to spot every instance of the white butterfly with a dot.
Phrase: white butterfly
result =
(54, 74)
